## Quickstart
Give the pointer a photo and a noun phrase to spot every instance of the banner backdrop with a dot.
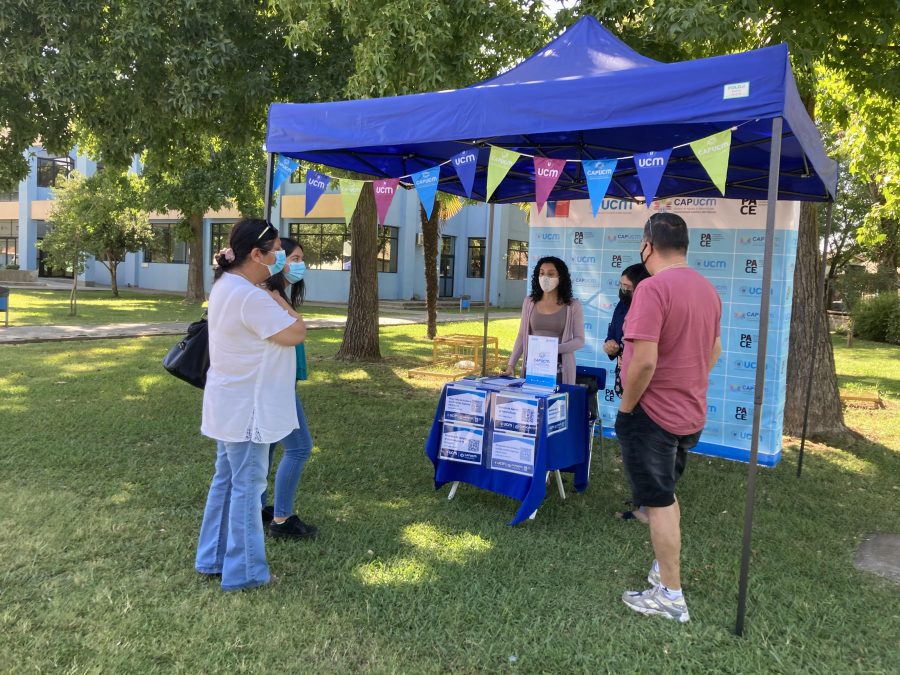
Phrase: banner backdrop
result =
(727, 241)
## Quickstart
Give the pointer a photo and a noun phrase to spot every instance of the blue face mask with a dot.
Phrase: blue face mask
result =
(294, 272)
(278, 265)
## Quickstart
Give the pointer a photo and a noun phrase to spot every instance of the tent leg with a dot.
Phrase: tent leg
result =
(487, 286)
(774, 168)
(270, 167)
(820, 296)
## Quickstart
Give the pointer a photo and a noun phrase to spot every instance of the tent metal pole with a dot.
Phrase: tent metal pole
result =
(270, 165)
(487, 287)
(762, 344)
(820, 297)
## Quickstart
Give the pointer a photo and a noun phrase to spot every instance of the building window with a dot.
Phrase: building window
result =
(51, 171)
(165, 246)
(388, 238)
(9, 240)
(326, 246)
(475, 264)
(516, 260)
(9, 196)
(218, 239)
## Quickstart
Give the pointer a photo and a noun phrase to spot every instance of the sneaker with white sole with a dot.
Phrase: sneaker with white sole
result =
(653, 578)
(654, 602)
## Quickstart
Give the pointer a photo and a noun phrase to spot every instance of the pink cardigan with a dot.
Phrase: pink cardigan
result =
(572, 338)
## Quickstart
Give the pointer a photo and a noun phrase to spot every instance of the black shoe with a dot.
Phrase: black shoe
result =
(292, 528)
(268, 512)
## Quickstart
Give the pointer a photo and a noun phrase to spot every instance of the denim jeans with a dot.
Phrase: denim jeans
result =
(297, 449)
(231, 536)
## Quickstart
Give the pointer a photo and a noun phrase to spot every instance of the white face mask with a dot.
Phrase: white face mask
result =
(548, 283)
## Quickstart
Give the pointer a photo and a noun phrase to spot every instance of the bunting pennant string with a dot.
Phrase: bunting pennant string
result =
(426, 183)
(598, 173)
(284, 167)
(316, 183)
(712, 152)
(546, 173)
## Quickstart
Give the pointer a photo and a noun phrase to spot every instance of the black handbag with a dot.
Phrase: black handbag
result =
(189, 359)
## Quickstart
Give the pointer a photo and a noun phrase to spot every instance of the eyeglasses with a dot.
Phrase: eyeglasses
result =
(266, 229)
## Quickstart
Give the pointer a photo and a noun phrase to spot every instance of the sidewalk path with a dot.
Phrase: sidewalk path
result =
(26, 334)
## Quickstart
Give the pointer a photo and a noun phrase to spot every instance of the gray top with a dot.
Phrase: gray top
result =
(548, 325)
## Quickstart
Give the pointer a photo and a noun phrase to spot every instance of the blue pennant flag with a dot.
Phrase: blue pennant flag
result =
(315, 185)
(426, 185)
(650, 168)
(284, 167)
(599, 174)
(465, 163)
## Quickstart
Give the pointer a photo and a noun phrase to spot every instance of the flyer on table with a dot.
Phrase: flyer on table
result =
(512, 453)
(540, 368)
(516, 413)
(465, 405)
(462, 444)
(557, 413)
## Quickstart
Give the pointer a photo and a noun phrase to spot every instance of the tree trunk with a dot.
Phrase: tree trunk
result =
(431, 234)
(195, 293)
(809, 326)
(360, 341)
(73, 302)
(113, 267)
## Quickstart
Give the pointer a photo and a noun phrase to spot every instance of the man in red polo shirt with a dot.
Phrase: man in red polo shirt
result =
(672, 343)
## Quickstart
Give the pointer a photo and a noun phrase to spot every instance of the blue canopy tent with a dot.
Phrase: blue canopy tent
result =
(587, 95)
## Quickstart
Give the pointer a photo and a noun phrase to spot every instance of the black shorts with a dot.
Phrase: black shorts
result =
(654, 458)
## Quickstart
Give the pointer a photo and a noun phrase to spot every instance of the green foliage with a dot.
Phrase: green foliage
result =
(878, 318)
(65, 246)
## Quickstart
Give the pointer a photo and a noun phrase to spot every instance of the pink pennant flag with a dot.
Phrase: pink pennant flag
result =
(385, 190)
(546, 172)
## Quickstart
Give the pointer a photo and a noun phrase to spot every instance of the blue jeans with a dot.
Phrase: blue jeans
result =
(297, 449)
(231, 536)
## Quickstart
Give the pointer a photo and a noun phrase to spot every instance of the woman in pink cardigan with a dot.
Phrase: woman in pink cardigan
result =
(551, 311)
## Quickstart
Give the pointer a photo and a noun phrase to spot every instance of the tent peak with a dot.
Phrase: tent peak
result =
(584, 49)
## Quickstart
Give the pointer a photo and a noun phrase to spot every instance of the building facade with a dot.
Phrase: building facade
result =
(324, 235)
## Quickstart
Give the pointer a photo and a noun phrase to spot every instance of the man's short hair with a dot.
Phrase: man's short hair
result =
(667, 232)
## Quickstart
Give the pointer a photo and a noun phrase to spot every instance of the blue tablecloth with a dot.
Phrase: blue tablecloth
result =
(567, 450)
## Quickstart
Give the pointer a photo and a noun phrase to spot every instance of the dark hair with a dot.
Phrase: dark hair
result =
(565, 281)
(276, 282)
(667, 232)
(246, 235)
(636, 273)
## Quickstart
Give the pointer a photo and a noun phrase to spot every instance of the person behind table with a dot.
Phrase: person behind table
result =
(551, 311)
(248, 401)
(280, 518)
(672, 342)
(614, 345)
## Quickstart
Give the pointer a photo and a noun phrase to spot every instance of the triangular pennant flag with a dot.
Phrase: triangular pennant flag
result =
(500, 162)
(713, 152)
(315, 185)
(385, 190)
(465, 163)
(350, 191)
(546, 172)
(650, 168)
(599, 173)
(284, 167)
(426, 186)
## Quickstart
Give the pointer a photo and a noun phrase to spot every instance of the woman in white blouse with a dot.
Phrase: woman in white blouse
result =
(248, 401)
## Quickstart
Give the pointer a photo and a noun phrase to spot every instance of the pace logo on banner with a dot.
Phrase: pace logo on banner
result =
(727, 242)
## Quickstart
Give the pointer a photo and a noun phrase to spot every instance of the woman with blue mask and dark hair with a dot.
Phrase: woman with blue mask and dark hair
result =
(248, 401)
(551, 311)
(280, 518)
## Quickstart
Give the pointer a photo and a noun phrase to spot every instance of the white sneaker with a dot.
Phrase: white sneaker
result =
(654, 602)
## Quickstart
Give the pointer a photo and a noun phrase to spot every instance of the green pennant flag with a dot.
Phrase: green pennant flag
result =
(350, 191)
(500, 162)
(712, 152)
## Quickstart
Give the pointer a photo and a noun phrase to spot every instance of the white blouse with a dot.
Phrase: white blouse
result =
(249, 394)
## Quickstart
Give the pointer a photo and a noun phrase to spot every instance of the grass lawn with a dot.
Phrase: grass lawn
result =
(104, 475)
(51, 308)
